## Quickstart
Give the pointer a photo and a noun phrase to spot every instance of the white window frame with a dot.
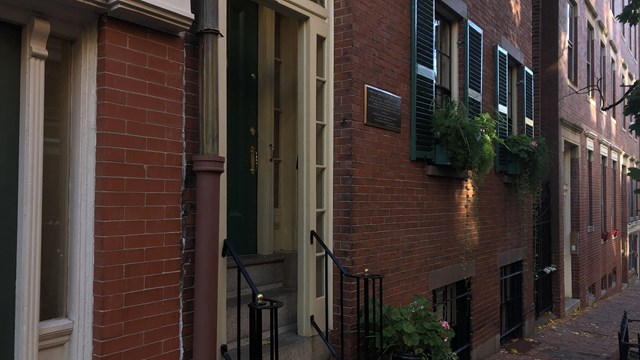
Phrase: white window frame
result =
(70, 337)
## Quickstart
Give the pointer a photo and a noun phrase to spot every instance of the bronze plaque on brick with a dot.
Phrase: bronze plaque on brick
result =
(382, 109)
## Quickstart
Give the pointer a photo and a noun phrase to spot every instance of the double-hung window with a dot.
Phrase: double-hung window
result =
(442, 63)
(514, 101)
(625, 81)
(603, 74)
(613, 86)
(434, 79)
(572, 41)
(590, 58)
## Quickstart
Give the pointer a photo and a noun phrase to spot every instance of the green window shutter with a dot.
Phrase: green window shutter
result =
(473, 69)
(423, 79)
(502, 105)
(528, 102)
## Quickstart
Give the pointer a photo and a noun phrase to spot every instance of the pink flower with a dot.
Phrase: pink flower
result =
(445, 325)
(534, 144)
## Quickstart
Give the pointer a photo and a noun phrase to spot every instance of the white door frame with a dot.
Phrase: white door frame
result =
(566, 183)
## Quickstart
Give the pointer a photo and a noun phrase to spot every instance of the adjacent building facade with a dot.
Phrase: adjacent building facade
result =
(400, 211)
(594, 235)
(92, 117)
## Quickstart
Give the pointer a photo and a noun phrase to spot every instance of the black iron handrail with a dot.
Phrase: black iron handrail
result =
(258, 303)
(372, 308)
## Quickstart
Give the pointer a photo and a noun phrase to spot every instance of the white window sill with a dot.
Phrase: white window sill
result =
(56, 332)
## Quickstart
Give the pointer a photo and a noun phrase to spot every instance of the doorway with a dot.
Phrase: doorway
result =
(279, 140)
(567, 211)
(262, 128)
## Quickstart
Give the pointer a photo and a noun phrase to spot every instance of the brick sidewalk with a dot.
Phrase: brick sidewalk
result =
(591, 333)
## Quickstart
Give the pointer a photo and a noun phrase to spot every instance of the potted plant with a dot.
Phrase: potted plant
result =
(528, 162)
(469, 142)
(414, 332)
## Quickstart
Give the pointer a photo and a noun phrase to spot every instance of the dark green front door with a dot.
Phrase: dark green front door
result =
(9, 135)
(242, 140)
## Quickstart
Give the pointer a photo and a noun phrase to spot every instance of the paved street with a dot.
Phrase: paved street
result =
(587, 334)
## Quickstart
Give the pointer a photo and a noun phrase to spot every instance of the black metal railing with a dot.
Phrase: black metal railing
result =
(543, 259)
(225, 352)
(256, 306)
(368, 309)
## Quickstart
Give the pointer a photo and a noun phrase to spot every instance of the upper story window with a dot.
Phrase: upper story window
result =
(625, 81)
(434, 42)
(635, 42)
(613, 86)
(603, 74)
(442, 62)
(624, 26)
(572, 41)
(514, 101)
(590, 60)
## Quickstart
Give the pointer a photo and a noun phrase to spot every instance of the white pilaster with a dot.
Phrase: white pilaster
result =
(82, 193)
(34, 53)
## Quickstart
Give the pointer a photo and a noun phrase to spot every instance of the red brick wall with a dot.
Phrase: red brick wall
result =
(139, 159)
(389, 216)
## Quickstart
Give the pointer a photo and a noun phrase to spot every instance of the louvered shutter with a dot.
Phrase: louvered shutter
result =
(502, 105)
(473, 69)
(423, 79)
(528, 102)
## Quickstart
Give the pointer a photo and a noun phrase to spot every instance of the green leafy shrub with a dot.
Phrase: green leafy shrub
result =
(415, 329)
(469, 142)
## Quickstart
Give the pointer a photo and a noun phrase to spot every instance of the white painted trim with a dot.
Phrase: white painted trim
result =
(169, 16)
(82, 193)
(54, 333)
(34, 53)
(172, 16)
(590, 144)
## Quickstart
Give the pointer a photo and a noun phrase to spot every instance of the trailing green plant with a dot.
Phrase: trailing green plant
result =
(469, 142)
(416, 330)
(529, 156)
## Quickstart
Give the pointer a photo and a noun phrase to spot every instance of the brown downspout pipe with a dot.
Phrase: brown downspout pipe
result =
(208, 166)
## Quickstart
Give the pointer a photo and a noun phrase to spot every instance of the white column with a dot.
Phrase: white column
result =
(34, 54)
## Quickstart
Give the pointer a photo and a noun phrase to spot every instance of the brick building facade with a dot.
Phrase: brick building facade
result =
(129, 126)
(594, 236)
(406, 218)
(94, 110)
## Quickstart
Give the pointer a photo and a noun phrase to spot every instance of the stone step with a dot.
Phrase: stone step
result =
(263, 269)
(291, 347)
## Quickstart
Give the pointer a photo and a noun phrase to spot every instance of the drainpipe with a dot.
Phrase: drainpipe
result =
(208, 166)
